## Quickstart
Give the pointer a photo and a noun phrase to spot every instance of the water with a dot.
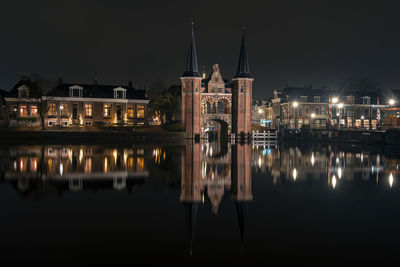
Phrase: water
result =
(198, 204)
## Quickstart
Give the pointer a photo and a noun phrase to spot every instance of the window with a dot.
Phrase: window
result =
(88, 110)
(212, 90)
(140, 111)
(120, 93)
(317, 99)
(300, 111)
(317, 111)
(23, 92)
(75, 93)
(23, 111)
(107, 110)
(366, 100)
(64, 110)
(219, 90)
(33, 112)
(52, 109)
(131, 111)
(241, 88)
(216, 79)
(303, 99)
(350, 99)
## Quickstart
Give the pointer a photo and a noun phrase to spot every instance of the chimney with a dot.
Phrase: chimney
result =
(95, 81)
(59, 81)
(130, 84)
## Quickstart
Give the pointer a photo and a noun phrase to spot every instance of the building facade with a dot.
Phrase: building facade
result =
(294, 107)
(214, 104)
(68, 104)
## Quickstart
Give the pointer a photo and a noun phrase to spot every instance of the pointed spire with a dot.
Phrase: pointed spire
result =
(191, 217)
(243, 70)
(191, 61)
(241, 208)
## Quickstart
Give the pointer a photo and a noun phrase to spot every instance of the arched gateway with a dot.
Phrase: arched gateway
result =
(213, 103)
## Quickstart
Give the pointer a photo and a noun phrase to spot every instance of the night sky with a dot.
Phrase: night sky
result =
(289, 42)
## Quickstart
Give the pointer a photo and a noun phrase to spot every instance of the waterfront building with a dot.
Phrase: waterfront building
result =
(215, 104)
(96, 104)
(261, 113)
(68, 104)
(294, 107)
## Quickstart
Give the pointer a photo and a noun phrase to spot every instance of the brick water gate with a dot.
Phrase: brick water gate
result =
(214, 103)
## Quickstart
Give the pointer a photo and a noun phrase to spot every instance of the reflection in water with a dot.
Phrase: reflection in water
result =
(323, 164)
(208, 173)
(78, 167)
(214, 168)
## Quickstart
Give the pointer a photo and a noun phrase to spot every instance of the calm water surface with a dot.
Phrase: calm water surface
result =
(197, 204)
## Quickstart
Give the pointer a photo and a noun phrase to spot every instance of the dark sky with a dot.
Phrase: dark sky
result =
(293, 42)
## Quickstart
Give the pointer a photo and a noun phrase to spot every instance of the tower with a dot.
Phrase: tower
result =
(191, 85)
(242, 94)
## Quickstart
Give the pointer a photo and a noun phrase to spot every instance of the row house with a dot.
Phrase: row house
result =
(294, 107)
(78, 104)
(261, 112)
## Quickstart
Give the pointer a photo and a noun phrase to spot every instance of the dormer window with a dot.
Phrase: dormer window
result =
(76, 91)
(303, 99)
(350, 99)
(317, 99)
(23, 92)
(366, 100)
(119, 93)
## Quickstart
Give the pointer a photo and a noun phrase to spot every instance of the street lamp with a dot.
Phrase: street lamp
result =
(335, 100)
(312, 122)
(295, 105)
(340, 106)
(392, 101)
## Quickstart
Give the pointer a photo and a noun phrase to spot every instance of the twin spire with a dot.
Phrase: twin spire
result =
(191, 62)
(192, 70)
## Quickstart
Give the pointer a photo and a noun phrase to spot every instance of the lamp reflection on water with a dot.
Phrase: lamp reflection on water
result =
(391, 180)
(334, 182)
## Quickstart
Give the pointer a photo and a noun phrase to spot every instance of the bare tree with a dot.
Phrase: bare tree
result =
(39, 90)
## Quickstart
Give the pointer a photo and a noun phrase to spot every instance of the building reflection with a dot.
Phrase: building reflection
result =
(212, 170)
(326, 165)
(75, 167)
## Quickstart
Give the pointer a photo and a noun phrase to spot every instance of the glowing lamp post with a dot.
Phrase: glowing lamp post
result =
(339, 114)
(295, 105)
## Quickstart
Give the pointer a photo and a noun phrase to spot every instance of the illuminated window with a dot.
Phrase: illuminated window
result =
(139, 164)
(140, 111)
(131, 111)
(52, 109)
(64, 110)
(107, 110)
(88, 165)
(23, 111)
(88, 110)
(33, 112)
